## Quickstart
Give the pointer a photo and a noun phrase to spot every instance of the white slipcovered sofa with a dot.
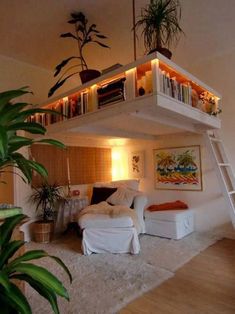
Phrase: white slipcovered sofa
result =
(114, 228)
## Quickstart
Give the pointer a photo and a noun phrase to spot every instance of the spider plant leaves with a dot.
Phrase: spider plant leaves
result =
(11, 112)
(41, 275)
(52, 142)
(5, 97)
(63, 63)
(3, 142)
(61, 263)
(160, 22)
(9, 250)
(7, 227)
(68, 35)
(49, 295)
(16, 300)
(4, 281)
(32, 127)
(36, 254)
(27, 166)
(28, 256)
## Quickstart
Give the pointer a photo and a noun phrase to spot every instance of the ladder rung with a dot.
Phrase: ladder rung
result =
(223, 165)
(215, 139)
(231, 192)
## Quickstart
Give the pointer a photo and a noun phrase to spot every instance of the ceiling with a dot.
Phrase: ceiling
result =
(30, 29)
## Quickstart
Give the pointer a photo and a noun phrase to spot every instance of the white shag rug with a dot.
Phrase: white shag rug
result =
(104, 283)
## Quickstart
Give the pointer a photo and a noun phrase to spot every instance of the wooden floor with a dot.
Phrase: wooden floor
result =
(206, 284)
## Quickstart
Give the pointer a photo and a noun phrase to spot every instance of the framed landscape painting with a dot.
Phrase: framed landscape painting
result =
(178, 168)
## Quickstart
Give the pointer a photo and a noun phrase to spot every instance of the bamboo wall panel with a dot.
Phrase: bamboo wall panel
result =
(54, 160)
(103, 162)
(89, 164)
(86, 164)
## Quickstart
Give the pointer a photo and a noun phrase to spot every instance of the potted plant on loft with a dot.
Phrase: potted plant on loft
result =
(13, 118)
(160, 23)
(83, 35)
(46, 198)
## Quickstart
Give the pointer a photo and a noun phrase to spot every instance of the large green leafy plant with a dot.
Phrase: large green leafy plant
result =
(46, 196)
(83, 35)
(160, 24)
(12, 300)
(13, 118)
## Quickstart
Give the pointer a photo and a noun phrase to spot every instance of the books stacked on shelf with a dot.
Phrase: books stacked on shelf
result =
(68, 107)
(111, 92)
(171, 87)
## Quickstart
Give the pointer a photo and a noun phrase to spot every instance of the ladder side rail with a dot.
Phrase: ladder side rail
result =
(221, 178)
(224, 155)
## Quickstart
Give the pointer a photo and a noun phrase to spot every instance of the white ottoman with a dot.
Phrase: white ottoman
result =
(173, 224)
(102, 234)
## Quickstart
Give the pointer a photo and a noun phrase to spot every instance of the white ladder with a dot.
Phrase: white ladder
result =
(223, 169)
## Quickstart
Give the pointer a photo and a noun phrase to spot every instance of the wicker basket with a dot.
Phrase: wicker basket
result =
(43, 231)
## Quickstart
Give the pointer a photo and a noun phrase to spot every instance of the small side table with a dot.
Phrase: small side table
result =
(68, 212)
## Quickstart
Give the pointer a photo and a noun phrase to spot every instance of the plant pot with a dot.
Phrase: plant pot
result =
(88, 75)
(43, 231)
(164, 51)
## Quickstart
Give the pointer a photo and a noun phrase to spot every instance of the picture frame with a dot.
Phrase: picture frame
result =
(178, 168)
(136, 164)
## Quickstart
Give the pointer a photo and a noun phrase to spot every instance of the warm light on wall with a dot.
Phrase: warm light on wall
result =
(119, 164)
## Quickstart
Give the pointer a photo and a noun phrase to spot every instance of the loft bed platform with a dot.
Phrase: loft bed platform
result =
(146, 98)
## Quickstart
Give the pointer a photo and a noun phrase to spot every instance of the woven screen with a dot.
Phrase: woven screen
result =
(86, 164)
(89, 164)
(54, 160)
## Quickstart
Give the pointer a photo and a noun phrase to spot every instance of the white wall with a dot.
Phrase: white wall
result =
(16, 74)
(218, 72)
(210, 208)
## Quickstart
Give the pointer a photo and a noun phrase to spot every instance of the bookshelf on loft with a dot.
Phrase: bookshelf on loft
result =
(143, 97)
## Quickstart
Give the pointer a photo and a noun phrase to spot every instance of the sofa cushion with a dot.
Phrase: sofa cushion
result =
(100, 194)
(122, 196)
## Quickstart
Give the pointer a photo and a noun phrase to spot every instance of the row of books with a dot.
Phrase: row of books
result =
(170, 86)
(67, 108)
(111, 92)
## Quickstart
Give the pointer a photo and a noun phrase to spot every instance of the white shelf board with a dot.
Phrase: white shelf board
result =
(145, 117)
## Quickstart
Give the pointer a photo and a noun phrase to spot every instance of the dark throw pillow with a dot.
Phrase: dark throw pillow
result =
(100, 194)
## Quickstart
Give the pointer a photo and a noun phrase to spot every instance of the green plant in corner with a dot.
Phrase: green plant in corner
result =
(13, 118)
(160, 22)
(12, 299)
(83, 35)
(46, 197)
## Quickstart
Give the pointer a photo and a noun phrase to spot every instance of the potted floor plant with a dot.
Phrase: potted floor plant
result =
(83, 35)
(13, 118)
(46, 198)
(159, 21)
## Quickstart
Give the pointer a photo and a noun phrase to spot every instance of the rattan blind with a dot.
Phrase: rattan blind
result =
(54, 159)
(86, 164)
(89, 164)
